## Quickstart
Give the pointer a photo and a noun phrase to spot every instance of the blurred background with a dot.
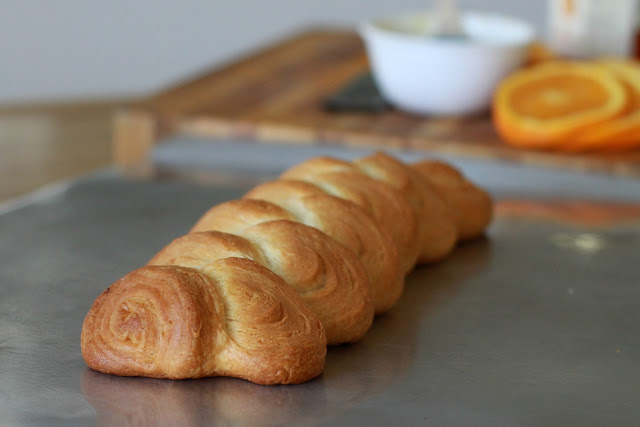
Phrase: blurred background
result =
(68, 65)
(79, 49)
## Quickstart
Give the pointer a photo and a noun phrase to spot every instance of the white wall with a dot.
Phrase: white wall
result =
(74, 49)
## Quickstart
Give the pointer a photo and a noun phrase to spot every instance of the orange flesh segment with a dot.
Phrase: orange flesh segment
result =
(557, 96)
(618, 133)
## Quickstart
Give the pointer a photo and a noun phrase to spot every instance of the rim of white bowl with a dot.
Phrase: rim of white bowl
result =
(523, 32)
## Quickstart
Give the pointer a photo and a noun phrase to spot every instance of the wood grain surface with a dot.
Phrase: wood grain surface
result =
(40, 144)
(276, 95)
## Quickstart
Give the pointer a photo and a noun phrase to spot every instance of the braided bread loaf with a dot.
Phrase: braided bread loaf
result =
(261, 285)
(471, 207)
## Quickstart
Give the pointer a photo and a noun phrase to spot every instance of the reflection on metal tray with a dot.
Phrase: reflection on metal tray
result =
(534, 325)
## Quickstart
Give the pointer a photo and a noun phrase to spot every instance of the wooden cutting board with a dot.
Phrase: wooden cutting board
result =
(276, 95)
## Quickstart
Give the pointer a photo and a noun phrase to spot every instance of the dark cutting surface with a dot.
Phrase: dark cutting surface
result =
(537, 324)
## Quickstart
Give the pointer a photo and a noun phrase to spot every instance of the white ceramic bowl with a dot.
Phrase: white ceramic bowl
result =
(439, 76)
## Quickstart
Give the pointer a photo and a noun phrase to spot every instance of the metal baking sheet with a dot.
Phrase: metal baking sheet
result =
(537, 324)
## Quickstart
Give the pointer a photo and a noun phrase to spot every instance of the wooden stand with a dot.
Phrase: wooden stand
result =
(276, 95)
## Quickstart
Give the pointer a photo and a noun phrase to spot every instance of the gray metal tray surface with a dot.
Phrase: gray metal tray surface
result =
(536, 324)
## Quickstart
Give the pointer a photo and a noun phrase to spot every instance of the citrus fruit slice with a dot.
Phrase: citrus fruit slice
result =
(620, 132)
(546, 105)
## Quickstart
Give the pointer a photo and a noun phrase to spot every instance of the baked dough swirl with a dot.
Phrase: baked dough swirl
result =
(232, 317)
(347, 223)
(386, 205)
(329, 278)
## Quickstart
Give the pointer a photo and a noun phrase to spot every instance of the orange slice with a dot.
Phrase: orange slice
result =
(620, 132)
(546, 105)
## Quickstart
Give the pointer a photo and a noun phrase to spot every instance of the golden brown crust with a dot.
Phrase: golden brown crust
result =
(150, 323)
(436, 225)
(236, 215)
(347, 223)
(472, 206)
(233, 318)
(329, 277)
(386, 205)
(199, 249)
(282, 190)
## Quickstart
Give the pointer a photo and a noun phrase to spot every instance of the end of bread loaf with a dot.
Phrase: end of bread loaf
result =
(177, 322)
(157, 322)
(471, 206)
(436, 225)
